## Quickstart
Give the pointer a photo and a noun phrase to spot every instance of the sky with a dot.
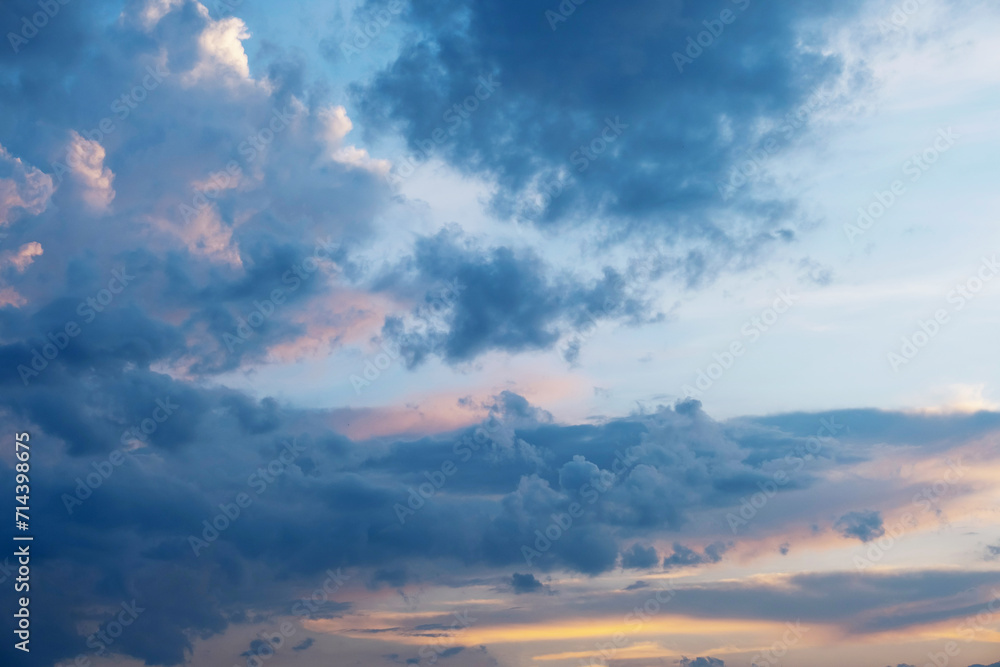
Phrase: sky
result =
(556, 333)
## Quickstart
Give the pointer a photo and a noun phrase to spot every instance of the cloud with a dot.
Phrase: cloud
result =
(220, 51)
(992, 552)
(660, 172)
(23, 188)
(865, 525)
(85, 158)
(640, 557)
(702, 662)
(526, 583)
(685, 557)
(499, 299)
(304, 645)
(23, 258)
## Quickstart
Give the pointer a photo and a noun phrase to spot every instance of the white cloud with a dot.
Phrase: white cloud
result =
(220, 50)
(335, 126)
(86, 162)
(21, 187)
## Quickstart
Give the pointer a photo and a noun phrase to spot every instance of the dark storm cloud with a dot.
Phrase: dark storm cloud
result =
(336, 506)
(674, 134)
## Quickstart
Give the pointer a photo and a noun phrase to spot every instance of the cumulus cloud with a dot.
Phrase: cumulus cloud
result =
(220, 51)
(23, 188)
(85, 158)
(335, 125)
(23, 258)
